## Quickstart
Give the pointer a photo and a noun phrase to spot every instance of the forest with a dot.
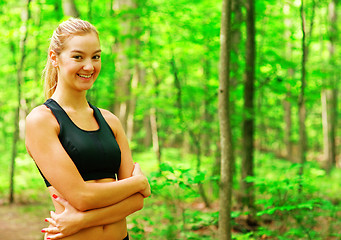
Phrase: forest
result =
(231, 108)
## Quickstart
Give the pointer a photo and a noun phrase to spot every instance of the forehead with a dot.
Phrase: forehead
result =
(88, 42)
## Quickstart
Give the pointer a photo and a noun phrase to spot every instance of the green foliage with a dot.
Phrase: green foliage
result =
(173, 194)
(295, 205)
(245, 236)
(181, 39)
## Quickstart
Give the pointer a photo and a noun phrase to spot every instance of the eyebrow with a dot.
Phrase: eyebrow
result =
(79, 51)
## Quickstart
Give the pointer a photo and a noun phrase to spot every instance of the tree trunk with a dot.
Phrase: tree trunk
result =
(124, 63)
(235, 38)
(206, 102)
(177, 85)
(155, 136)
(329, 95)
(226, 184)
(89, 10)
(70, 9)
(58, 9)
(288, 124)
(333, 126)
(287, 100)
(180, 138)
(326, 103)
(196, 140)
(301, 100)
(248, 118)
(148, 138)
(37, 22)
(138, 76)
(132, 101)
(154, 118)
(236, 76)
(26, 15)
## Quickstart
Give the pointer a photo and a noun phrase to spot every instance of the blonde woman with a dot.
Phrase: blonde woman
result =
(82, 151)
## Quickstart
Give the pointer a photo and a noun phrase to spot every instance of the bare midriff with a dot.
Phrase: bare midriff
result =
(114, 231)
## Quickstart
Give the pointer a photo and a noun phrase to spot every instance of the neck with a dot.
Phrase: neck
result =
(70, 100)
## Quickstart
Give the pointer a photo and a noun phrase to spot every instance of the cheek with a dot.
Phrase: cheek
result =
(98, 67)
(69, 66)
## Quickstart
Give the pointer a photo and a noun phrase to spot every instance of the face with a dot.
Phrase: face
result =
(79, 63)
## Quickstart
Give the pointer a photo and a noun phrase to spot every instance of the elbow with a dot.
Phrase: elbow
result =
(82, 203)
(136, 203)
(82, 206)
(140, 203)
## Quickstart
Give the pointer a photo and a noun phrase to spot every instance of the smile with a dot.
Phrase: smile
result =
(84, 76)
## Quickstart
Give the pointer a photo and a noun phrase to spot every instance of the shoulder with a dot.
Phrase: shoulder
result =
(108, 115)
(113, 121)
(41, 127)
(40, 116)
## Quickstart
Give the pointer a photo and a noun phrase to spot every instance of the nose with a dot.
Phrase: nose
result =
(88, 66)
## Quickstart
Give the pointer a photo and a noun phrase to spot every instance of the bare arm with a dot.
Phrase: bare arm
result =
(117, 212)
(71, 221)
(45, 148)
(114, 213)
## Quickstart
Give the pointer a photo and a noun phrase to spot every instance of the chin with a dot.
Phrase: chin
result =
(85, 87)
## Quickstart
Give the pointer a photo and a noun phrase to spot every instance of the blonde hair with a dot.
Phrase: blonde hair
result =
(66, 29)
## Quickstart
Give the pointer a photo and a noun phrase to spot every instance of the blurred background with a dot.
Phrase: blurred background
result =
(160, 76)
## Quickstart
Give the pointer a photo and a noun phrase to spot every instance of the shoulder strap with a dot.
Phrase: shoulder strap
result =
(98, 114)
(57, 111)
(101, 120)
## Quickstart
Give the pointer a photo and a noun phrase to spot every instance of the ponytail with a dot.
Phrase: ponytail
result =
(50, 75)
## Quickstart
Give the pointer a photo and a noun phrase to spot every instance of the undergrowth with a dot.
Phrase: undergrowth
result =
(288, 207)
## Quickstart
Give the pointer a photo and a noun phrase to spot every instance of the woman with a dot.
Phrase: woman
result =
(82, 151)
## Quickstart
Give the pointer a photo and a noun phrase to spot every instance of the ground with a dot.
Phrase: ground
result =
(22, 222)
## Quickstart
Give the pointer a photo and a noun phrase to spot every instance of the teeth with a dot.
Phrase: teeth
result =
(85, 76)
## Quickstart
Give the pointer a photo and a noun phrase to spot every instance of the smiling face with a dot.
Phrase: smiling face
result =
(79, 63)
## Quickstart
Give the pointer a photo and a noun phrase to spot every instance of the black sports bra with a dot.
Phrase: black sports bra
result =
(96, 154)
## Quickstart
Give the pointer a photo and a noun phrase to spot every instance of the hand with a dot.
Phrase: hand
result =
(64, 224)
(146, 192)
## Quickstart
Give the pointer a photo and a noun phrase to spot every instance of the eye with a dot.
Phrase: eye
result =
(77, 57)
(96, 57)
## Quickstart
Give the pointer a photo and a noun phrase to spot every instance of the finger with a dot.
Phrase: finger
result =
(50, 230)
(53, 215)
(60, 200)
(137, 168)
(51, 221)
(56, 236)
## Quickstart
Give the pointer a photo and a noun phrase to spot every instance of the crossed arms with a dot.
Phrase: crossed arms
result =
(91, 204)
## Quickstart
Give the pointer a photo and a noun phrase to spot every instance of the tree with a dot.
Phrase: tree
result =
(139, 72)
(301, 100)
(225, 124)
(305, 42)
(236, 68)
(329, 95)
(287, 101)
(26, 15)
(127, 75)
(70, 9)
(153, 112)
(249, 113)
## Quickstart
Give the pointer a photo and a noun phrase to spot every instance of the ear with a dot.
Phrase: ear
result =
(54, 58)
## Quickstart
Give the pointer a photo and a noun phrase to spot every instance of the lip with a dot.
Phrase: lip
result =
(85, 76)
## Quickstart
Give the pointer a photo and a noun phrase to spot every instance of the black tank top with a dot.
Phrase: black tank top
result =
(96, 154)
